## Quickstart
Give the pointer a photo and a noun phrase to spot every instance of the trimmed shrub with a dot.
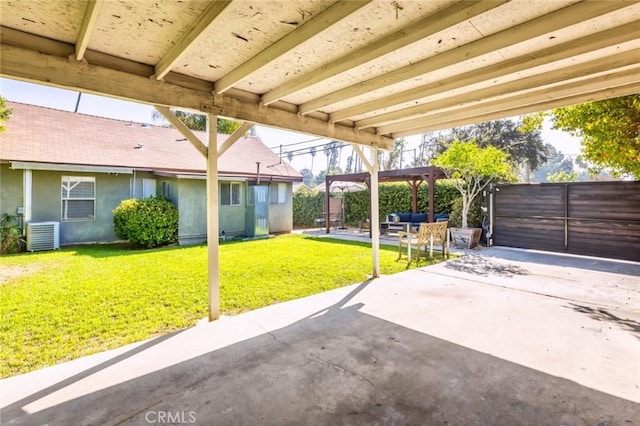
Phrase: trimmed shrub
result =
(150, 222)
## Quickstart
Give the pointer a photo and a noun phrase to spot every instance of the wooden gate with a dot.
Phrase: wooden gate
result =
(590, 218)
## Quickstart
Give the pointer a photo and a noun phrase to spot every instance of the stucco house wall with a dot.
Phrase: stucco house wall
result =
(113, 152)
(10, 190)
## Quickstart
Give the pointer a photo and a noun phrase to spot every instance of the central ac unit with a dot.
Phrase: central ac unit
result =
(43, 236)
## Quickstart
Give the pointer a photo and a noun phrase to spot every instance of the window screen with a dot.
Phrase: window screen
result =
(142, 188)
(230, 194)
(278, 193)
(78, 198)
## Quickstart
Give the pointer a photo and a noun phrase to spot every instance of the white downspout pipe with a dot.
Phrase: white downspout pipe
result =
(27, 190)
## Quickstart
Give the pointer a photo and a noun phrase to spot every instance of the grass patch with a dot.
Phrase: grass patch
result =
(58, 306)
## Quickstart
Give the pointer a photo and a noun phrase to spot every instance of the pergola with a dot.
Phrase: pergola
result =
(414, 177)
(363, 72)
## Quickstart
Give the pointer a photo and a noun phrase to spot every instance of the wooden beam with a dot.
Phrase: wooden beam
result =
(590, 43)
(577, 71)
(233, 138)
(184, 130)
(522, 100)
(195, 31)
(88, 23)
(607, 93)
(304, 32)
(27, 65)
(363, 158)
(213, 255)
(230, 107)
(440, 20)
(562, 18)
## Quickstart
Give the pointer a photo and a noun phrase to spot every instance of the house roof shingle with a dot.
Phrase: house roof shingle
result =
(45, 135)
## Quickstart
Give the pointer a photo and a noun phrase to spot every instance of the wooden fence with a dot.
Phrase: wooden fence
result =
(588, 218)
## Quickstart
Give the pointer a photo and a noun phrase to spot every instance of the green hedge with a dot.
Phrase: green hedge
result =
(394, 198)
(307, 205)
(150, 222)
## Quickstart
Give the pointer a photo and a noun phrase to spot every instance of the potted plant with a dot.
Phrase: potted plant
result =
(471, 168)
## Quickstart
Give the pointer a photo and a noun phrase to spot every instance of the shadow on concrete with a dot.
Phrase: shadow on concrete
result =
(10, 409)
(484, 266)
(341, 367)
(564, 260)
(601, 314)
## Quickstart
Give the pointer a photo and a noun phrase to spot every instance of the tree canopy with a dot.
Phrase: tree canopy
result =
(5, 113)
(199, 122)
(471, 168)
(610, 132)
(523, 144)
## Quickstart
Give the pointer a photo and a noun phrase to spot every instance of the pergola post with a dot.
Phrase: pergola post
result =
(375, 213)
(431, 190)
(212, 219)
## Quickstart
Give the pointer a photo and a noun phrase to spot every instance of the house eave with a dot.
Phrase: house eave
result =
(29, 165)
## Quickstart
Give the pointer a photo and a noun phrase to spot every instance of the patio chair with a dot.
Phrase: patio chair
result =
(429, 234)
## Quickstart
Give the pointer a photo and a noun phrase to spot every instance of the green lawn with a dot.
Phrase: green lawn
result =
(58, 306)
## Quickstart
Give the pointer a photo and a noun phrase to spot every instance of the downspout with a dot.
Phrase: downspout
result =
(27, 189)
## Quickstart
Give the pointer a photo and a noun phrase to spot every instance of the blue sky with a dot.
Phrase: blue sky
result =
(35, 94)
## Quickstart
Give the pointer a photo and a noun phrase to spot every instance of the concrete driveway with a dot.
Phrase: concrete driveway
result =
(499, 337)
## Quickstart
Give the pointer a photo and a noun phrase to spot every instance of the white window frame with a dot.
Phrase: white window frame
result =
(278, 193)
(67, 184)
(233, 187)
(148, 187)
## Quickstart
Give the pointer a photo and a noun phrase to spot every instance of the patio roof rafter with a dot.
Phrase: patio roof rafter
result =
(59, 71)
(537, 27)
(587, 77)
(450, 119)
(87, 26)
(196, 30)
(404, 37)
(593, 42)
(304, 32)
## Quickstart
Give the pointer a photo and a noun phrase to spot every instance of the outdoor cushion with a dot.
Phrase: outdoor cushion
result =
(418, 217)
(443, 216)
(405, 217)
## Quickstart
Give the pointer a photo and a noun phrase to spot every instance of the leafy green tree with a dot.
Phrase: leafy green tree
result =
(5, 113)
(307, 177)
(610, 132)
(391, 160)
(199, 122)
(523, 144)
(471, 168)
(563, 176)
(556, 162)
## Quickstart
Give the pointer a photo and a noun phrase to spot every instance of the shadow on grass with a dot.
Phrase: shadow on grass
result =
(601, 314)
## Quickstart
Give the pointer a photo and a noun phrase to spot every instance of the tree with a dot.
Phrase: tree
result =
(610, 132)
(471, 168)
(563, 176)
(5, 113)
(307, 177)
(392, 159)
(524, 144)
(199, 122)
(556, 162)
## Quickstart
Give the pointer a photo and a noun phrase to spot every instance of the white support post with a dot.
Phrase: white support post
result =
(212, 219)
(375, 219)
(27, 190)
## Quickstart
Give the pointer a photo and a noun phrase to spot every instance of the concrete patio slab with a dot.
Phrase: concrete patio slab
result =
(495, 337)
